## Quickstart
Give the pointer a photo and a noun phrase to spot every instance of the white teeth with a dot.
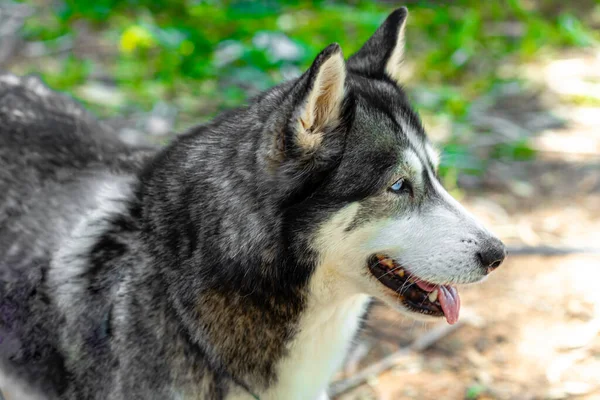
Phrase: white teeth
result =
(433, 296)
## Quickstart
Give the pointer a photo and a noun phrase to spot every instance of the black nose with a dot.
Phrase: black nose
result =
(492, 254)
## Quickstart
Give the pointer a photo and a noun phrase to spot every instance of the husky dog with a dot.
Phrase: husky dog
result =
(237, 262)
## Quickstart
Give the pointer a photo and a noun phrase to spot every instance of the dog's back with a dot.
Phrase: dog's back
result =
(45, 140)
(54, 155)
(49, 148)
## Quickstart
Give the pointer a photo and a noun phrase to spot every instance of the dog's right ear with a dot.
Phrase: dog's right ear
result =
(320, 94)
(382, 54)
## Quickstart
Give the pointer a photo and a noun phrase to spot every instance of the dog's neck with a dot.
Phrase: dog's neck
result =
(275, 345)
(325, 331)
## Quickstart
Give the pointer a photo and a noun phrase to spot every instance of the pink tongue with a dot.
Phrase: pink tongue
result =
(450, 302)
(448, 298)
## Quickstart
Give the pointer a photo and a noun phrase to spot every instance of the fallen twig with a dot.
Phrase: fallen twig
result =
(362, 376)
(420, 344)
(551, 250)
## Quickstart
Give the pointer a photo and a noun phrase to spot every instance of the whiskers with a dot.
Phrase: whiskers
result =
(391, 271)
(408, 280)
(405, 286)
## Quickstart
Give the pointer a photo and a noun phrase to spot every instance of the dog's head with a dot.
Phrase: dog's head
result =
(363, 186)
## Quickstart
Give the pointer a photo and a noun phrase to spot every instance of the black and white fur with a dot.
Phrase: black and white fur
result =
(232, 263)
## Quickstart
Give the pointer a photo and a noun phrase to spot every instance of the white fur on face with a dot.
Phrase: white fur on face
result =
(413, 168)
(438, 245)
(437, 242)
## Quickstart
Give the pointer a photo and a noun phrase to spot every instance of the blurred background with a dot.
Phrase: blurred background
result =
(509, 90)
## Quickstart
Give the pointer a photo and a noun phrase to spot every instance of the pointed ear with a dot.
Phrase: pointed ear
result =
(322, 98)
(382, 53)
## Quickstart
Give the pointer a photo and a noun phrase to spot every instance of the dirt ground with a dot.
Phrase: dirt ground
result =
(532, 330)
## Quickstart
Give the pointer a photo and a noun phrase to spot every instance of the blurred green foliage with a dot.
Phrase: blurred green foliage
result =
(475, 391)
(204, 56)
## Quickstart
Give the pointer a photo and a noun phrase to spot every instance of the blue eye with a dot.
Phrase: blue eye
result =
(396, 187)
(401, 186)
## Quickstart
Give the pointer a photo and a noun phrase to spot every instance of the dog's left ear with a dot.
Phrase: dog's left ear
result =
(317, 100)
(382, 53)
(321, 102)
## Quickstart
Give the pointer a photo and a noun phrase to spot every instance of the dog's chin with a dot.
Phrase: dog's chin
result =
(412, 295)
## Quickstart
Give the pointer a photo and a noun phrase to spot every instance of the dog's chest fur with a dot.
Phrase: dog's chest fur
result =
(325, 333)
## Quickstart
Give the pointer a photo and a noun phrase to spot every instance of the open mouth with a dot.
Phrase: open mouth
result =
(416, 294)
